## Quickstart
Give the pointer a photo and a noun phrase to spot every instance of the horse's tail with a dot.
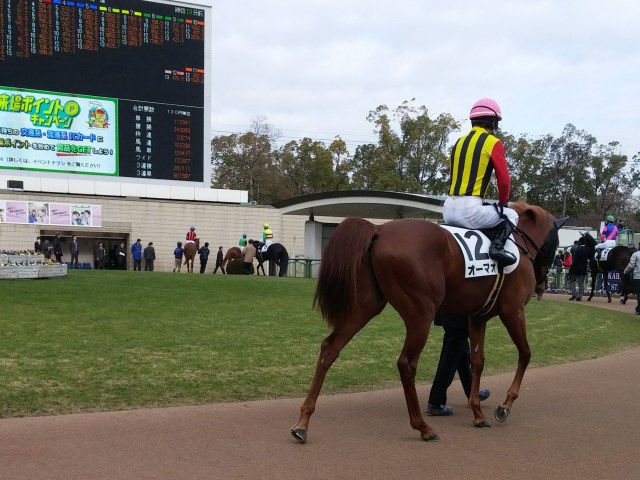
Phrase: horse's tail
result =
(284, 261)
(336, 288)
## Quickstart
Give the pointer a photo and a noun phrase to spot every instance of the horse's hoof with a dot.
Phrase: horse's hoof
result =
(434, 437)
(502, 413)
(300, 434)
(483, 424)
(609, 301)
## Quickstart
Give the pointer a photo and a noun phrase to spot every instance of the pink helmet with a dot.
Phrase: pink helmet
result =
(485, 107)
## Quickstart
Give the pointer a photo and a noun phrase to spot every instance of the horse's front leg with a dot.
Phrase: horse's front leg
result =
(476, 341)
(594, 277)
(605, 281)
(516, 326)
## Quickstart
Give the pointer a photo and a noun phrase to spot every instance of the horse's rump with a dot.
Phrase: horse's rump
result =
(336, 287)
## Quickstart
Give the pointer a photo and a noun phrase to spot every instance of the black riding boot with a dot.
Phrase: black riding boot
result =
(497, 251)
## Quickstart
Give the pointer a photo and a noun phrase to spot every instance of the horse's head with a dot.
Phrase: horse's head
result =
(539, 240)
(589, 241)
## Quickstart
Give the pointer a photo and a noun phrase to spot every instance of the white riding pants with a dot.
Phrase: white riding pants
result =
(469, 212)
(606, 244)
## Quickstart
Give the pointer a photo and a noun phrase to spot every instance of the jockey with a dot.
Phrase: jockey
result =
(473, 158)
(243, 241)
(267, 237)
(608, 236)
(191, 235)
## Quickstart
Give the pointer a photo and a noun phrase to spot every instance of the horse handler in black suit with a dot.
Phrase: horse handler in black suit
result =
(454, 356)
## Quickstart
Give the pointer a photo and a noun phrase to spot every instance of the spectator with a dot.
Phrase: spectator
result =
(57, 248)
(121, 256)
(568, 260)
(248, 254)
(36, 246)
(204, 256)
(634, 266)
(149, 257)
(136, 254)
(454, 356)
(75, 251)
(219, 260)
(177, 254)
(46, 249)
(101, 255)
(578, 271)
(574, 247)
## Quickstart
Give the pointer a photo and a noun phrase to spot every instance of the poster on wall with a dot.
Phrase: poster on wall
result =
(48, 213)
(58, 133)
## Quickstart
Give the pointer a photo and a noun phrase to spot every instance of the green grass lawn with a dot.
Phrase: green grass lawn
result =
(107, 340)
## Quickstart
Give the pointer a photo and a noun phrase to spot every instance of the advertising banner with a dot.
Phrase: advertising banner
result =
(45, 213)
(58, 133)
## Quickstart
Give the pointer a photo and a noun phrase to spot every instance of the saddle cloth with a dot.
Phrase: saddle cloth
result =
(603, 255)
(474, 246)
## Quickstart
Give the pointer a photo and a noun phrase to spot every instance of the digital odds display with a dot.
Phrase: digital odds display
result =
(102, 87)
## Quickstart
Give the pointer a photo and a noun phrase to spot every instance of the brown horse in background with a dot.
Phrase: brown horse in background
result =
(365, 266)
(190, 250)
(232, 254)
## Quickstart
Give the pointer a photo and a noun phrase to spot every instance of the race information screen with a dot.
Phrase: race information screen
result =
(105, 87)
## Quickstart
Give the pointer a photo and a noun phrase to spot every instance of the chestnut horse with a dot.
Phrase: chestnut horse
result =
(617, 259)
(232, 254)
(365, 266)
(190, 250)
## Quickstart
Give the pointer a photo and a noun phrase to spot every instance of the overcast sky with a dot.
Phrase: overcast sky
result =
(317, 67)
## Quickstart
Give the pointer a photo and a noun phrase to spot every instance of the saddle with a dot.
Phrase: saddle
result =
(474, 246)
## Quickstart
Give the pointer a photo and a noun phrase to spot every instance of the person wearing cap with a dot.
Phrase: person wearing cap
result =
(608, 236)
(243, 241)
(474, 158)
(136, 253)
(149, 255)
(267, 237)
(177, 254)
(191, 235)
(204, 256)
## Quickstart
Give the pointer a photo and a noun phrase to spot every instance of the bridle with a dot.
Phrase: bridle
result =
(529, 243)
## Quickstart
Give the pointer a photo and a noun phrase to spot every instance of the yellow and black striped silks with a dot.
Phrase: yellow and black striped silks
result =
(470, 163)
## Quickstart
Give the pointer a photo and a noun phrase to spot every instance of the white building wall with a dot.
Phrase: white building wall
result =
(163, 222)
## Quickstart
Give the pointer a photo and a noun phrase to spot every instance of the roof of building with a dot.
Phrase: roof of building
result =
(361, 203)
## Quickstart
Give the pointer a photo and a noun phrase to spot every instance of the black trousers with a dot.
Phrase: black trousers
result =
(137, 265)
(148, 265)
(203, 265)
(219, 266)
(454, 356)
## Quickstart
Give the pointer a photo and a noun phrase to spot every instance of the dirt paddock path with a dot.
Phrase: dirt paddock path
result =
(575, 421)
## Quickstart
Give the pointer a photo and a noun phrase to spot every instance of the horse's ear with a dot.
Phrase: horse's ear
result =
(561, 221)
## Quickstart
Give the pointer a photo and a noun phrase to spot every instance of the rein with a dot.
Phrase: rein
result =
(530, 243)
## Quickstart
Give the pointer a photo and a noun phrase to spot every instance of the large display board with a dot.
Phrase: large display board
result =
(103, 87)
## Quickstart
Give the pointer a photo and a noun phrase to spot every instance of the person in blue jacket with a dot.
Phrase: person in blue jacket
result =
(178, 253)
(136, 253)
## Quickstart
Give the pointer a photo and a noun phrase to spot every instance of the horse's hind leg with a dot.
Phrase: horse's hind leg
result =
(329, 351)
(368, 306)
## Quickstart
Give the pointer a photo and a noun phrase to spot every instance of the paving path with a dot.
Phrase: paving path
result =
(575, 421)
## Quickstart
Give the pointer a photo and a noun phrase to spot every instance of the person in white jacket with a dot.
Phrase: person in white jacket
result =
(634, 266)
